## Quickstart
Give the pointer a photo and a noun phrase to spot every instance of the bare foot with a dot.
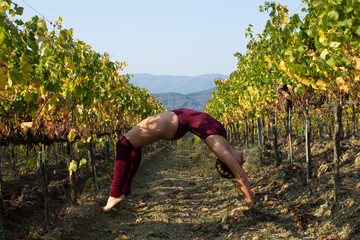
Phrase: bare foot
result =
(111, 202)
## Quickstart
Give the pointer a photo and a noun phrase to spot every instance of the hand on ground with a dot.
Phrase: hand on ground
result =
(242, 206)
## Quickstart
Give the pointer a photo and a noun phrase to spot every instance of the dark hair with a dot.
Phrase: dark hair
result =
(223, 170)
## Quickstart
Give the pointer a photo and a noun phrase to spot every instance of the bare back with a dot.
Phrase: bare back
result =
(152, 129)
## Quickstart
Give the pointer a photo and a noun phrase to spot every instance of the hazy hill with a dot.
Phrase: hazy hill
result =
(196, 101)
(175, 84)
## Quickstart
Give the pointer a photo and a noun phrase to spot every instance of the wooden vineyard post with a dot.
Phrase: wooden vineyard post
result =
(286, 124)
(260, 132)
(229, 132)
(55, 145)
(325, 131)
(41, 167)
(331, 127)
(290, 154)
(264, 129)
(13, 159)
(347, 130)
(320, 127)
(275, 142)
(93, 166)
(297, 128)
(252, 132)
(238, 137)
(354, 127)
(336, 139)
(107, 148)
(246, 132)
(2, 155)
(2, 213)
(307, 131)
(2, 209)
(234, 133)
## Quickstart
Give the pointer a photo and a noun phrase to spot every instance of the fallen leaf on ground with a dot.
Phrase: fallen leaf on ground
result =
(139, 221)
(226, 227)
(197, 226)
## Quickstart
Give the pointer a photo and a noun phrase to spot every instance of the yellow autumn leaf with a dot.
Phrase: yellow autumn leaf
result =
(267, 59)
(342, 84)
(26, 126)
(251, 90)
(321, 85)
(304, 81)
(106, 117)
(321, 36)
(73, 166)
(357, 77)
(123, 65)
(82, 163)
(71, 135)
(310, 53)
(357, 63)
(282, 66)
(335, 44)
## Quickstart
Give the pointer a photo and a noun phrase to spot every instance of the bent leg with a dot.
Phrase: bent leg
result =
(161, 126)
(122, 166)
(134, 166)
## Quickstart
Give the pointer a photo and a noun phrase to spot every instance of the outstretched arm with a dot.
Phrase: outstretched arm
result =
(223, 151)
(240, 176)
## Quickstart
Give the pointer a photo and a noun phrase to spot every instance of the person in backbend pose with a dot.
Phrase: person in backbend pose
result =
(172, 125)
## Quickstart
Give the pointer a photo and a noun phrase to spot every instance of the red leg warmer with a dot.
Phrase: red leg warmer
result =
(122, 166)
(135, 163)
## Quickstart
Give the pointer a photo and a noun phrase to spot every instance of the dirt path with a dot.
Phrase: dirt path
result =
(177, 194)
(168, 201)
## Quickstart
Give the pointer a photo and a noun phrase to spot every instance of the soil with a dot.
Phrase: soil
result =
(177, 194)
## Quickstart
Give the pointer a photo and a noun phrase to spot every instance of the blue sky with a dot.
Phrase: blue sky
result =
(162, 37)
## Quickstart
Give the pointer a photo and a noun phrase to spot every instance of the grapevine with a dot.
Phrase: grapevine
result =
(55, 88)
(303, 65)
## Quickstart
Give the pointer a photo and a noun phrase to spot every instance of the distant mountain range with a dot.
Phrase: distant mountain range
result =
(175, 84)
(195, 101)
(179, 91)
